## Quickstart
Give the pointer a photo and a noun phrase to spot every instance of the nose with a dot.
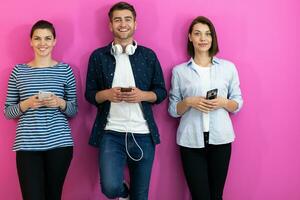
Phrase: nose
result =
(202, 37)
(42, 41)
(123, 23)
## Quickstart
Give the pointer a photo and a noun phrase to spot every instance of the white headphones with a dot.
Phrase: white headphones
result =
(116, 49)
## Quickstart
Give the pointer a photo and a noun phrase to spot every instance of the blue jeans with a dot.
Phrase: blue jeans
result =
(113, 159)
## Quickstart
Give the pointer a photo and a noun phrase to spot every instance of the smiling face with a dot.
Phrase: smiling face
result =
(122, 25)
(201, 37)
(42, 42)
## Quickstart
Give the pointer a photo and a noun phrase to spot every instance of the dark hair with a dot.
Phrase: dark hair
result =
(214, 49)
(43, 24)
(121, 6)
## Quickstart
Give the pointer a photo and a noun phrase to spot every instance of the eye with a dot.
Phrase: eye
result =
(128, 19)
(48, 38)
(208, 34)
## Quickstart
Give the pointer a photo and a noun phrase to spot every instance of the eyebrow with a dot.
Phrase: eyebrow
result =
(47, 36)
(200, 31)
(126, 17)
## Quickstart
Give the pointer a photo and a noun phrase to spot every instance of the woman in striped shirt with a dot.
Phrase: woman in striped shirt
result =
(42, 95)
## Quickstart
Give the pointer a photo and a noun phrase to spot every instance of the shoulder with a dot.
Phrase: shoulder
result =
(224, 63)
(145, 51)
(180, 68)
(63, 69)
(63, 66)
(19, 67)
(101, 51)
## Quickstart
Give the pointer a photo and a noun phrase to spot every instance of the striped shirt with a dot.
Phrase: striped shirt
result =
(42, 128)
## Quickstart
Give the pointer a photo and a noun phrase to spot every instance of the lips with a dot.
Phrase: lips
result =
(203, 45)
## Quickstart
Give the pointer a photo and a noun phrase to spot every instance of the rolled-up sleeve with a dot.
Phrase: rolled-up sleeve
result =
(234, 92)
(175, 96)
(158, 83)
(92, 85)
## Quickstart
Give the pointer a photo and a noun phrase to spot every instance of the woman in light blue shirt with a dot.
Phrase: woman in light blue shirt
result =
(205, 132)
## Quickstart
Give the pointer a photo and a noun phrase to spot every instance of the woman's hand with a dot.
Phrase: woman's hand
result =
(54, 102)
(219, 102)
(199, 103)
(32, 102)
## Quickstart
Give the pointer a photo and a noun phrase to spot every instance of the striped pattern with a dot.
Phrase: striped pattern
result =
(43, 128)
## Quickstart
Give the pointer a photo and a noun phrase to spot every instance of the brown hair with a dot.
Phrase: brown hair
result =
(214, 49)
(43, 24)
(121, 6)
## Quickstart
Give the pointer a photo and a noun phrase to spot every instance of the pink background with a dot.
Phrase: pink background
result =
(259, 36)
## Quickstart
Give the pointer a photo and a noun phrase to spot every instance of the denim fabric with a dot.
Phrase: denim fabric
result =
(113, 159)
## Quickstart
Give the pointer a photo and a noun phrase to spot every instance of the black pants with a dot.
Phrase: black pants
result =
(42, 173)
(206, 170)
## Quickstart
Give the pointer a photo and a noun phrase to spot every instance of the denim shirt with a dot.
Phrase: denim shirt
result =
(147, 74)
(185, 83)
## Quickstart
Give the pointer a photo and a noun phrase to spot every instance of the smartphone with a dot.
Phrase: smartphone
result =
(129, 89)
(212, 94)
(44, 94)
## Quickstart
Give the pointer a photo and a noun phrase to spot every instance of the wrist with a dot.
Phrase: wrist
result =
(186, 102)
(146, 96)
(24, 105)
(62, 104)
(225, 102)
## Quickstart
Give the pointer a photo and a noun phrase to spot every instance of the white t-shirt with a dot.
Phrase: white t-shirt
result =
(204, 73)
(123, 116)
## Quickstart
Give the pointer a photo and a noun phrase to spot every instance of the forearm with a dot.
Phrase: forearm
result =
(69, 108)
(24, 105)
(101, 96)
(149, 96)
(13, 111)
(182, 107)
(230, 105)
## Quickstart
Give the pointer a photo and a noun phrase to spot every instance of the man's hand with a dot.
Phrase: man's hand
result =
(112, 95)
(136, 96)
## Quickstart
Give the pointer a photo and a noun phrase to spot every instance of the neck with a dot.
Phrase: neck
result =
(124, 42)
(202, 59)
(42, 62)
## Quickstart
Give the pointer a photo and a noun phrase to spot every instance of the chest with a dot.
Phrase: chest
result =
(29, 82)
(194, 83)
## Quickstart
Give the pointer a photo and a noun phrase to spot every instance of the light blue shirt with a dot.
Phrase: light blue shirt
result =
(185, 83)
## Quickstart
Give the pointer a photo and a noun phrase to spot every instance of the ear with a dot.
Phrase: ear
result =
(135, 25)
(110, 26)
(54, 42)
(190, 37)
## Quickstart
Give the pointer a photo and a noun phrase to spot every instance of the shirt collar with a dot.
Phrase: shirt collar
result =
(215, 61)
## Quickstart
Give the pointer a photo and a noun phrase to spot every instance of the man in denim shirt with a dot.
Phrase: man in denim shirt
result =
(124, 79)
